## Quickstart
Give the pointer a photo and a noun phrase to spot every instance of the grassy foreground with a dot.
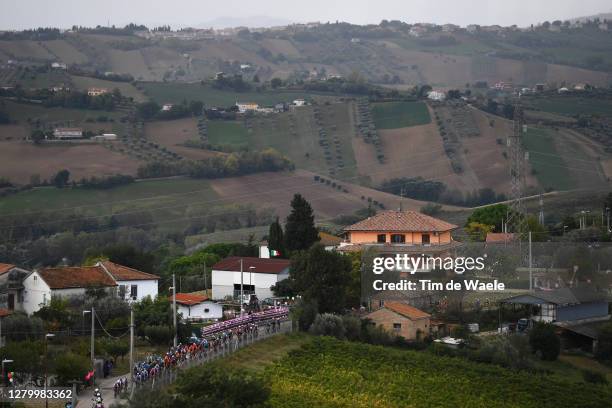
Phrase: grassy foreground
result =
(306, 371)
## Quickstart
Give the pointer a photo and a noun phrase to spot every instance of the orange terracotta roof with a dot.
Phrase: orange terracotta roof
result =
(76, 277)
(409, 221)
(124, 273)
(261, 265)
(500, 237)
(4, 268)
(189, 299)
(406, 310)
(5, 312)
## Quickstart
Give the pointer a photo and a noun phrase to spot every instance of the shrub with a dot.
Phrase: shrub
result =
(594, 377)
(378, 335)
(328, 324)
(352, 327)
(544, 341)
(70, 367)
(158, 334)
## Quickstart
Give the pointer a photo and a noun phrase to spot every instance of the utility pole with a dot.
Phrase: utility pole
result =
(530, 266)
(93, 340)
(241, 287)
(131, 341)
(541, 215)
(174, 309)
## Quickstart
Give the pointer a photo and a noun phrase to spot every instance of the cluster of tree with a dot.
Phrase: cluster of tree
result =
(104, 183)
(128, 29)
(151, 110)
(36, 34)
(108, 76)
(234, 164)
(66, 98)
(436, 191)
(234, 83)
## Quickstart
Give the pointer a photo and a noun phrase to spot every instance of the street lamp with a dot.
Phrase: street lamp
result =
(173, 289)
(47, 337)
(93, 338)
(5, 361)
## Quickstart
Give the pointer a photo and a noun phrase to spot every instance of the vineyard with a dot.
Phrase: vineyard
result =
(331, 373)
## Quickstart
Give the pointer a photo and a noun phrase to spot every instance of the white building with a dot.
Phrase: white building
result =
(436, 96)
(299, 102)
(134, 285)
(244, 107)
(58, 65)
(167, 107)
(40, 286)
(68, 133)
(193, 306)
(96, 91)
(258, 276)
(105, 136)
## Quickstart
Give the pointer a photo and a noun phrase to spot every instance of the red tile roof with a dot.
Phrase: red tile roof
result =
(76, 277)
(262, 265)
(189, 299)
(124, 273)
(4, 268)
(408, 221)
(406, 310)
(500, 237)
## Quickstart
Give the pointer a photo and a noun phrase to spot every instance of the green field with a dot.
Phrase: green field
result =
(550, 169)
(332, 373)
(574, 105)
(177, 92)
(227, 133)
(166, 199)
(296, 135)
(394, 115)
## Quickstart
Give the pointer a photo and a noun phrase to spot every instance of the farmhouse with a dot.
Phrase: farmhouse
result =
(68, 133)
(96, 91)
(194, 306)
(134, 285)
(256, 274)
(436, 96)
(401, 232)
(40, 286)
(400, 228)
(402, 320)
(244, 107)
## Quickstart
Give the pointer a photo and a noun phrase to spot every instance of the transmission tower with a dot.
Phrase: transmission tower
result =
(516, 220)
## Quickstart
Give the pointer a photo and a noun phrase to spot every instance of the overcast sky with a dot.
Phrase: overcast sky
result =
(19, 14)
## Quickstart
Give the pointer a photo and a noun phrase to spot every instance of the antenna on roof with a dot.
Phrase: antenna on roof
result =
(402, 192)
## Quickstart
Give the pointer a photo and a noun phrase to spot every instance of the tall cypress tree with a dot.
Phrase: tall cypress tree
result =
(300, 230)
(276, 240)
